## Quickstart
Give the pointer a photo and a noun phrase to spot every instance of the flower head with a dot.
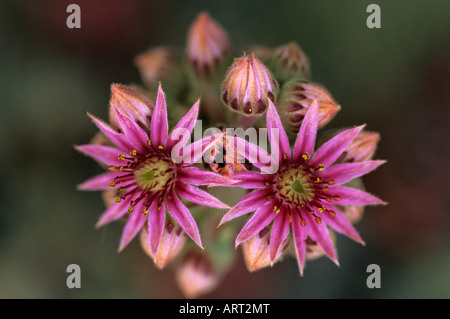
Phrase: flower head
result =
(248, 85)
(301, 196)
(207, 44)
(147, 180)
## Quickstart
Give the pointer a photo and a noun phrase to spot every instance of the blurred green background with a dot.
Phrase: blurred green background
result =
(395, 79)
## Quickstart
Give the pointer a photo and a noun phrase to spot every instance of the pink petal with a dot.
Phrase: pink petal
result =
(279, 232)
(118, 139)
(159, 125)
(248, 203)
(299, 234)
(187, 123)
(114, 212)
(134, 224)
(196, 176)
(251, 179)
(192, 153)
(274, 126)
(340, 223)
(319, 233)
(183, 217)
(198, 196)
(133, 132)
(331, 150)
(306, 137)
(98, 183)
(155, 221)
(260, 219)
(105, 154)
(342, 173)
(353, 196)
(255, 154)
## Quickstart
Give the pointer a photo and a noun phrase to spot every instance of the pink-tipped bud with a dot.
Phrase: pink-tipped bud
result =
(207, 44)
(295, 99)
(257, 250)
(129, 102)
(196, 275)
(361, 149)
(172, 241)
(248, 85)
(155, 64)
(313, 249)
(289, 61)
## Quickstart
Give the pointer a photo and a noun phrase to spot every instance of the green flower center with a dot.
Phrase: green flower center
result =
(295, 186)
(154, 174)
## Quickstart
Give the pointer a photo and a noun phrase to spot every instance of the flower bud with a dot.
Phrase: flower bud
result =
(257, 250)
(352, 212)
(172, 241)
(295, 99)
(289, 61)
(313, 249)
(195, 275)
(248, 85)
(155, 64)
(361, 149)
(207, 45)
(128, 101)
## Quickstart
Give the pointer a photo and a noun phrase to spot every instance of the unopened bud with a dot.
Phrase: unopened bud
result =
(257, 250)
(352, 212)
(155, 64)
(248, 85)
(129, 102)
(361, 149)
(207, 44)
(172, 241)
(288, 62)
(295, 99)
(195, 275)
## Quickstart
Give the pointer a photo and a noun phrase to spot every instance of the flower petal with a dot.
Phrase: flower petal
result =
(248, 203)
(187, 122)
(299, 233)
(105, 154)
(196, 176)
(342, 173)
(340, 223)
(260, 219)
(353, 196)
(159, 125)
(193, 152)
(133, 132)
(319, 233)
(118, 139)
(155, 221)
(251, 179)
(198, 196)
(134, 224)
(115, 211)
(279, 232)
(306, 137)
(98, 183)
(332, 149)
(183, 217)
(278, 138)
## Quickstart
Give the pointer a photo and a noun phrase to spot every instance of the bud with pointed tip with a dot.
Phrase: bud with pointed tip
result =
(296, 96)
(130, 103)
(195, 275)
(248, 85)
(361, 149)
(289, 61)
(207, 44)
(155, 64)
(172, 241)
(257, 250)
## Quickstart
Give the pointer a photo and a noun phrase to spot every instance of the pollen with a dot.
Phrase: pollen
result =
(149, 142)
(133, 152)
(117, 199)
(160, 147)
(145, 212)
(130, 209)
(112, 184)
(121, 157)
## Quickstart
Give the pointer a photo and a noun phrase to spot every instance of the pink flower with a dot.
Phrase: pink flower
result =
(147, 179)
(300, 197)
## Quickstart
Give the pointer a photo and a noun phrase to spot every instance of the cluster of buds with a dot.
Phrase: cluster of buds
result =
(154, 185)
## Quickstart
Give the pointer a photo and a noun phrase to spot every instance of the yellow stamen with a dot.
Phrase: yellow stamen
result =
(160, 147)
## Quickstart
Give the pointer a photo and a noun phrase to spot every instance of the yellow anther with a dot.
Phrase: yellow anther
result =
(133, 152)
(160, 147)
(321, 209)
(275, 208)
(149, 142)
(130, 209)
(112, 184)
(267, 183)
(117, 199)
(318, 180)
(321, 167)
(145, 212)
(121, 157)
(305, 156)
(277, 211)
(121, 168)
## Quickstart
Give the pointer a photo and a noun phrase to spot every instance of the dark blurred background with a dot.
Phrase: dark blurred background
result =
(395, 79)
